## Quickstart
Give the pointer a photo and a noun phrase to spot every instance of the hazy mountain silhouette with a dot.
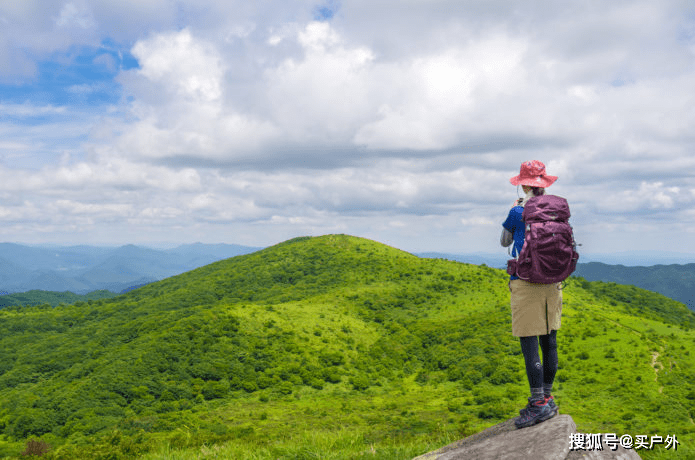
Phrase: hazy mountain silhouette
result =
(82, 269)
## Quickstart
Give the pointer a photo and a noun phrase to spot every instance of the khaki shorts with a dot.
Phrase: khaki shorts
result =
(536, 308)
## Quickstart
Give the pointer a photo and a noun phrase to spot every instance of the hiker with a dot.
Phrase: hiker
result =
(536, 307)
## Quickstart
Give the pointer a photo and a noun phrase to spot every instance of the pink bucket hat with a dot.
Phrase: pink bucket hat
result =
(533, 174)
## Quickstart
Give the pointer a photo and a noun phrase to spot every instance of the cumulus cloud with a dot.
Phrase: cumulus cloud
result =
(176, 63)
(323, 96)
(390, 121)
(649, 195)
(180, 105)
(497, 91)
(432, 99)
(334, 94)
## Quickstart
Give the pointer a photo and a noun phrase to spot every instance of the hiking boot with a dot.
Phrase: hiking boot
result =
(534, 412)
(548, 399)
(551, 403)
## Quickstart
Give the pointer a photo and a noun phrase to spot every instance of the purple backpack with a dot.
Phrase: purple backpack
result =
(549, 252)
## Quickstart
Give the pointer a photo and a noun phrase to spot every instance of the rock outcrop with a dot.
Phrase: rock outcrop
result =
(549, 440)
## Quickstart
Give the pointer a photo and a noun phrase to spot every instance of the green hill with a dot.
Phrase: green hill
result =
(37, 297)
(330, 347)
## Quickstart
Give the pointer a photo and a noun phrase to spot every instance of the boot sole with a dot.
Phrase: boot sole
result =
(536, 421)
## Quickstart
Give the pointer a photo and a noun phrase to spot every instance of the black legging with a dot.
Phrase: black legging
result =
(539, 374)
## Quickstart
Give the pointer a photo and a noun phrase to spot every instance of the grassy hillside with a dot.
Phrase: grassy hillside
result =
(331, 347)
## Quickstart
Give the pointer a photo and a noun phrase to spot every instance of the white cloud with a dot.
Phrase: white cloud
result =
(277, 35)
(72, 15)
(318, 36)
(385, 121)
(93, 209)
(650, 195)
(188, 68)
(240, 31)
(180, 104)
(158, 214)
(324, 96)
(478, 221)
(29, 110)
(333, 94)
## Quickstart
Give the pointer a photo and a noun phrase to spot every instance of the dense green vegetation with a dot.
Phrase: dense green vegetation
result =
(331, 347)
(675, 281)
(37, 297)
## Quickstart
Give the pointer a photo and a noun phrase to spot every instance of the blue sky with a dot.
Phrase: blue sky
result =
(79, 76)
(169, 121)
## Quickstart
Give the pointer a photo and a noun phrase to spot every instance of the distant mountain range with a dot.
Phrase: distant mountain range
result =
(674, 281)
(83, 269)
(658, 272)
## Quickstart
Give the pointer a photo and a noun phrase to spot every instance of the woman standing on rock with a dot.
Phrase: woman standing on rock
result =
(536, 308)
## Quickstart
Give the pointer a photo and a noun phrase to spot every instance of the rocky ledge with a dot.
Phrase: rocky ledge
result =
(549, 440)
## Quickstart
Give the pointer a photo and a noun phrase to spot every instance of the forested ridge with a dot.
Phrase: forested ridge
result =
(328, 347)
(676, 281)
(38, 297)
